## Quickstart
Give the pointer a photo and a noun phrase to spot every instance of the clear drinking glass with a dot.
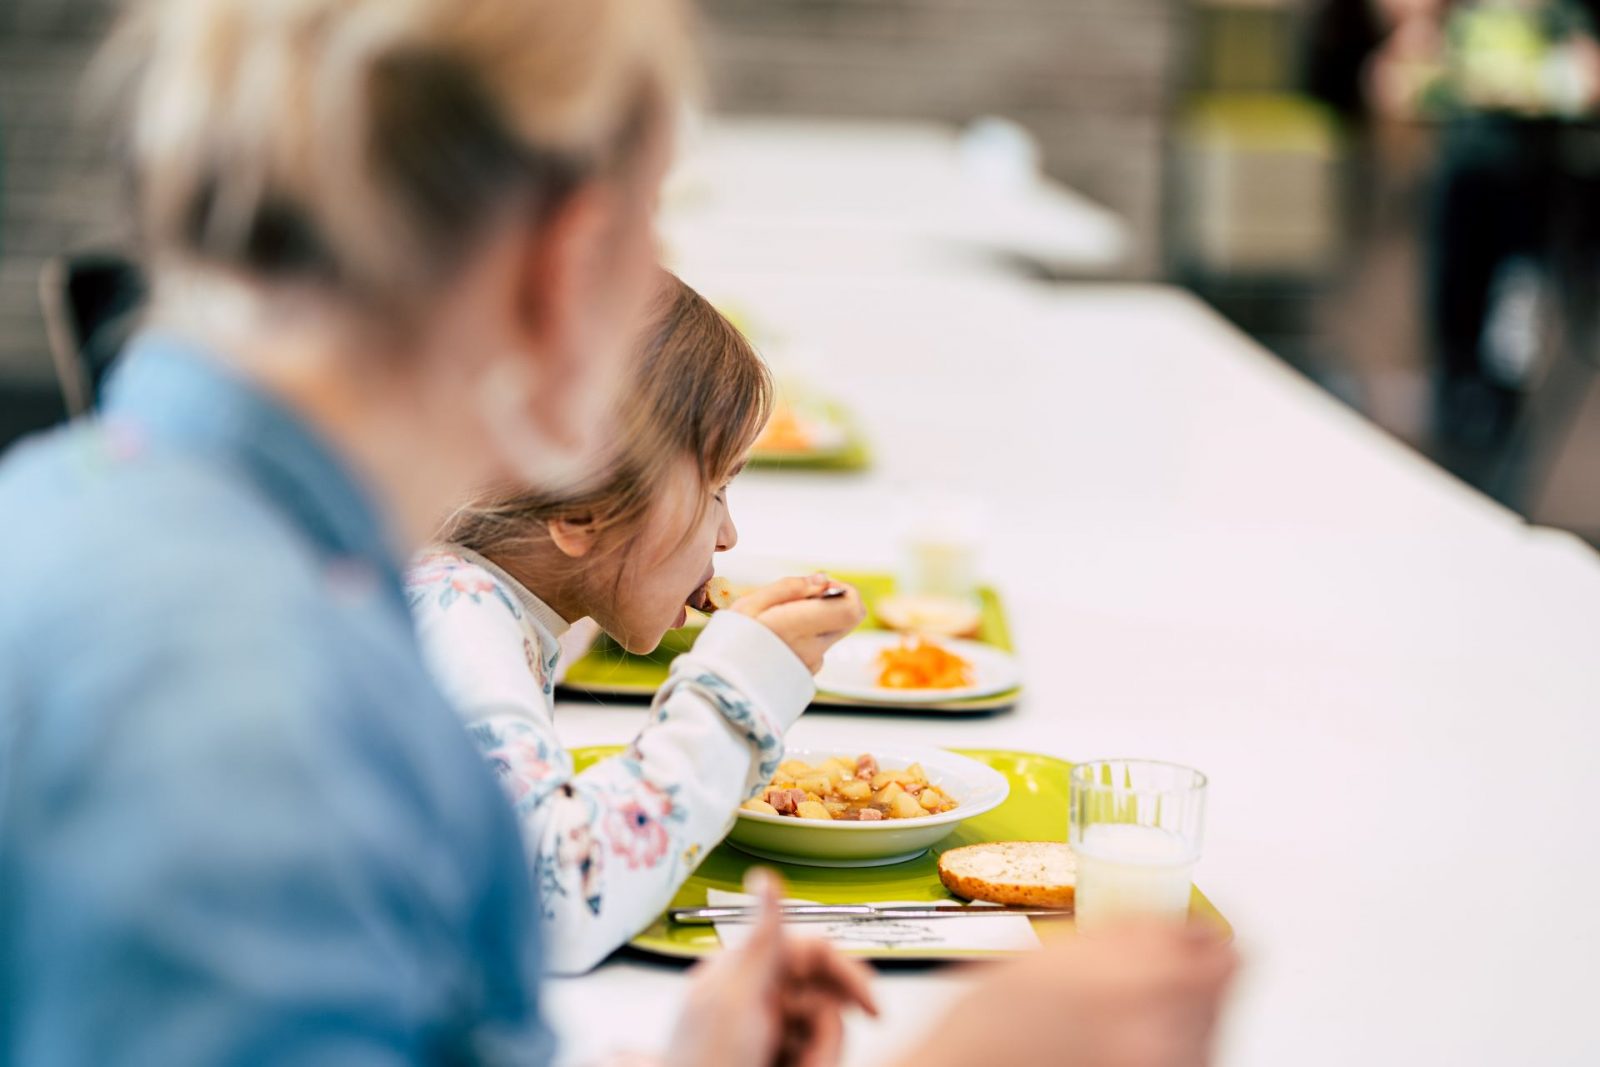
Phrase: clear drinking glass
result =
(1135, 827)
(940, 546)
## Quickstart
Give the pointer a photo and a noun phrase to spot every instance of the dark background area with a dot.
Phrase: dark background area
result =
(1188, 118)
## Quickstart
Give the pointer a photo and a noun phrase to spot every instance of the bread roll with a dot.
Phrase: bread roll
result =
(944, 616)
(1038, 874)
(719, 594)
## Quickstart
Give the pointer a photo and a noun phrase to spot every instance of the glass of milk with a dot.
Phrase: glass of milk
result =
(939, 546)
(1135, 827)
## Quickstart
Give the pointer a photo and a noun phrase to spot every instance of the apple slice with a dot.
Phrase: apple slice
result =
(719, 594)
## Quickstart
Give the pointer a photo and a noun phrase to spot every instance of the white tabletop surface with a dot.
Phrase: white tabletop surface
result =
(1393, 684)
(885, 198)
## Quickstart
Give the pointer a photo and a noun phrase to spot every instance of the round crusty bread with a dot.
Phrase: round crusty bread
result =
(1040, 874)
(929, 614)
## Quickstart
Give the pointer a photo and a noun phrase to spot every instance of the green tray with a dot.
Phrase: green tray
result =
(853, 455)
(1036, 810)
(608, 669)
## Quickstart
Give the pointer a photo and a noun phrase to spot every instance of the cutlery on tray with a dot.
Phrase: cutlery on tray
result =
(833, 912)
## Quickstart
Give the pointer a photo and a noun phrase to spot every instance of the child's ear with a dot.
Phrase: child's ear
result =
(574, 537)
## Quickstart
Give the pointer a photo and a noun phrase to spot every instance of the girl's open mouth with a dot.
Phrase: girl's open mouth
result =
(700, 599)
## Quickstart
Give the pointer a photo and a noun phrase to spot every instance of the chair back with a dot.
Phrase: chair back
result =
(92, 303)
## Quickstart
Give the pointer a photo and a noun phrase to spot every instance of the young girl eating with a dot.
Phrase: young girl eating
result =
(610, 846)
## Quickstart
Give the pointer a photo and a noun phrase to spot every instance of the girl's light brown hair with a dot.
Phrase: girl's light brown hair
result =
(699, 390)
(364, 146)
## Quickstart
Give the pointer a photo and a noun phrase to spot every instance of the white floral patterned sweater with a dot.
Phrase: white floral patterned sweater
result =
(609, 847)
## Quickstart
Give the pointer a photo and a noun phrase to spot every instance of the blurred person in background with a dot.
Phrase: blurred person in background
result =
(1512, 86)
(398, 250)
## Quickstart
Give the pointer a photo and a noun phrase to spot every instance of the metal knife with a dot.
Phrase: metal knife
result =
(740, 913)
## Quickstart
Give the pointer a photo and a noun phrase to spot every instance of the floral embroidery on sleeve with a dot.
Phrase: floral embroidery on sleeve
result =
(637, 830)
(641, 818)
(576, 859)
(521, 757)
(756, 727)
(450, 578)
(634, 820)
(542, 667)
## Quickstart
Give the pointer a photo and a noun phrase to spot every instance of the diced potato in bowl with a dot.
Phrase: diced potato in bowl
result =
(850, 791)
(837, 808)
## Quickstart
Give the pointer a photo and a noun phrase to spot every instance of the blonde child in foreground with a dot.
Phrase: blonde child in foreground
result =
(609, 847)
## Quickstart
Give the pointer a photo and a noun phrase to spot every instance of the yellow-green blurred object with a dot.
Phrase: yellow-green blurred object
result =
(1516, 58)
(1244, 46)
(1256, 186)
(1263, 122)
(740, 317)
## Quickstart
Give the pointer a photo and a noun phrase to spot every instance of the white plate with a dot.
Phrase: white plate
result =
(976, 788)
(851, 670)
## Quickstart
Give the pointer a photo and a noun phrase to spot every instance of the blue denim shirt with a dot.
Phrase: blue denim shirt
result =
(238, 824)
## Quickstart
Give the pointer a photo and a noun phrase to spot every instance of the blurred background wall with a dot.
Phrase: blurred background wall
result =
(1093, 80)
(56, 191)
(1290, 211)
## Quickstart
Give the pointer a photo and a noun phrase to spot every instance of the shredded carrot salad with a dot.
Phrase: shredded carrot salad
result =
(784, 432)
(918, 663)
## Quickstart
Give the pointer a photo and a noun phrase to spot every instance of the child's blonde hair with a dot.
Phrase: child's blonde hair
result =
(699, 389)
(365, 145)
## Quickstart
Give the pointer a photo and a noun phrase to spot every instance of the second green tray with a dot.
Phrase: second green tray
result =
(609, 670)
(853, 454)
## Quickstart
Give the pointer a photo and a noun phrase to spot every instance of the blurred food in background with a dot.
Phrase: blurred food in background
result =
(807, 431)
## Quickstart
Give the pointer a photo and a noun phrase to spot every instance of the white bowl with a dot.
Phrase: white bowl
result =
(975, 787)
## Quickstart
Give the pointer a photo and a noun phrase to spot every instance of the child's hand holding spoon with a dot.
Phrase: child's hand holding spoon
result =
(808, 614)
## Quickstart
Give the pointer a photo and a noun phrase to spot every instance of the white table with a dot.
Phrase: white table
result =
(866, 197)
(1393, 683)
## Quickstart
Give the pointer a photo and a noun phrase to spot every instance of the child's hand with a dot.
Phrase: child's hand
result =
(791, 608)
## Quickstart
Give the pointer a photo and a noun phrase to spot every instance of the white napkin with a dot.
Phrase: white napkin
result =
(991, 933)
